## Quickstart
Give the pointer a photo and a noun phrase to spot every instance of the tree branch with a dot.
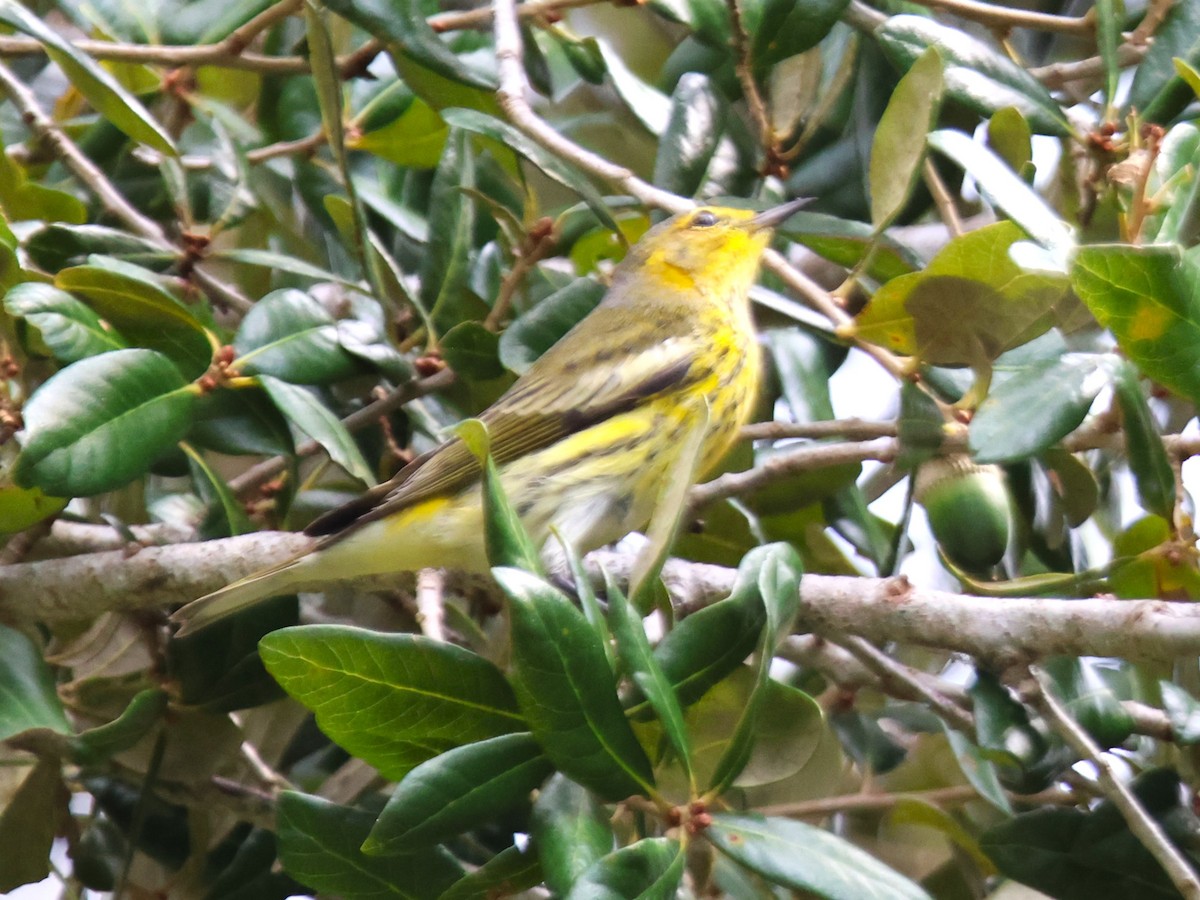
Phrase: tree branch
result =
(1143, 826)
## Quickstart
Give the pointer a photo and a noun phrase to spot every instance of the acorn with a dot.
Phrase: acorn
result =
(969, 510)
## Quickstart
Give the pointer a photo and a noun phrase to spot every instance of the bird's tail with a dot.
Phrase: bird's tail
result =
(241, 594)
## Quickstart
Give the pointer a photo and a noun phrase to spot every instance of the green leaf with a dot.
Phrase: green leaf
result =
(394, 701)
(507, 541)
(28, 200)
(23, 507)
(1072, 854)
(240, 422)
(56, 245)
(509, 872)
(415, 138)
(68, 327)
(1009, 137)
(895, 157)
(312, 417)
(444, 269)
(1090, 700)
(775, 570)
(291, 336)
(694, 131)
(780, 29)
(639, 663)
(1002, 188)
(27, 695)
(710, 644)
(319, 846)
(1109, 18)
(1183, 711)
(806, 858)
(98, 744)
(1149, 297)
(402, 23)
(134, 302)
(472, 351)
(980, 769)
(226, 516)
(571, 831)
(846, 243)
(488, 126)
(1158, 93)
(535, 332)
(103, 91)
(100, 423)
(1038, 406)
(281, 262)
(969, 305)
(566, 690)
(650, 869)
(976, 75)
(457, 791)
(1152, 472)
(31, 818)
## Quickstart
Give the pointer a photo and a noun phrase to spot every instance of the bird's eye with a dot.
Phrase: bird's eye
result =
(703, 219)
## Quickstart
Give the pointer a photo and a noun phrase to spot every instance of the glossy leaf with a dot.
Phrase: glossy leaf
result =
(312, 417)
(27, 696)
(650, 869)
(493, 128)
(1074, 854)
(1158, 93)
(103, 91)
(969, 305)
(509, 872)
(402, 22)
(29, 822)
(68, 327)
(806, 858)
(472, 351)
(395, 701)
(1110, 15)
(507, 541)
(1183, 711)
(571, 830)
(780, 29)
(1149, 297)
(451, 227)
(57, 245)
(291, 336)
(533, 333)
(566, 691)
(976, 75)
(1005, 190)
(458, 790)
(1038, 406)
(693, 133)
(101, 422)
(846, 243)
(319, 846)
(97, 744)
(895, 157)
(639, 663)
(1152, 472)
(775, 572)
(135, 302)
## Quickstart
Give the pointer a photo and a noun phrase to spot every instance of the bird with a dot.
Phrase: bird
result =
(583, 439)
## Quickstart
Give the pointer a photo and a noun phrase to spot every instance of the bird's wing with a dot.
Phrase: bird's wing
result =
(572, 387)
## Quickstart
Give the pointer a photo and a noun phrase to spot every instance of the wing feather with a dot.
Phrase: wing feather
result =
(557, 397)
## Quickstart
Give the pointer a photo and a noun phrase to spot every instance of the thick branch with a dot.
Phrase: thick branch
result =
(1002, 631)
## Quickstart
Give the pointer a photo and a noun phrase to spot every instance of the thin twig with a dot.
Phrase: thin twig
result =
(816, 456)
(942, 198)
(889, 670)
(851, 429)
(1140, 822)
(1003, 17)
(431, 613)
(1057, 75)
(849, 803)
(299, 147)
(743, 65)
(255, 476)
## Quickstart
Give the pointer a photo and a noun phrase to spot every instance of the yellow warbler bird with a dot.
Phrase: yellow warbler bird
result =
(584, 439)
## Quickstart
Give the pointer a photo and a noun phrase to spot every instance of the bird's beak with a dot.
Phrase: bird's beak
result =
(778, 215)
